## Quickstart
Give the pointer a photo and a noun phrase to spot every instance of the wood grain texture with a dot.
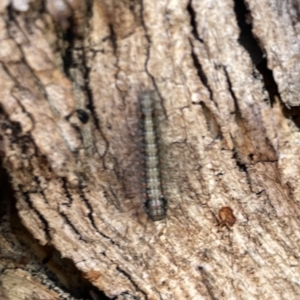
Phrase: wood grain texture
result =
(230, 139)
(276, 26)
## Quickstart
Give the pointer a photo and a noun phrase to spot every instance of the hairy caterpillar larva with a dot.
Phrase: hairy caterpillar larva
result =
(156, 204)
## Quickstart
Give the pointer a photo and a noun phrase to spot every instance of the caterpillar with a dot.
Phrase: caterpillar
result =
(156, 204)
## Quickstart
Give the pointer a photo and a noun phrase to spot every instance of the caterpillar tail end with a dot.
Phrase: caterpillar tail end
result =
(156, 209)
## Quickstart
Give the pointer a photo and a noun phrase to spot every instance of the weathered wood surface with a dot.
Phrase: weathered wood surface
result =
(69, 123)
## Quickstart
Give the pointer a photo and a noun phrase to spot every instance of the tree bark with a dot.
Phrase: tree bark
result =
(226, 76)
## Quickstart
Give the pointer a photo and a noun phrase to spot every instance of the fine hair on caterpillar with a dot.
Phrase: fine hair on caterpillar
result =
(155, 201)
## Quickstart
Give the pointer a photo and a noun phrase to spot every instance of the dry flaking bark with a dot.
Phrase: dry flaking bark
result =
(70, 82)
(23, 272)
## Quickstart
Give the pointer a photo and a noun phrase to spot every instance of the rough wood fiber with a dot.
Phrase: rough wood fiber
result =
(69, 122)
(277, 28)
